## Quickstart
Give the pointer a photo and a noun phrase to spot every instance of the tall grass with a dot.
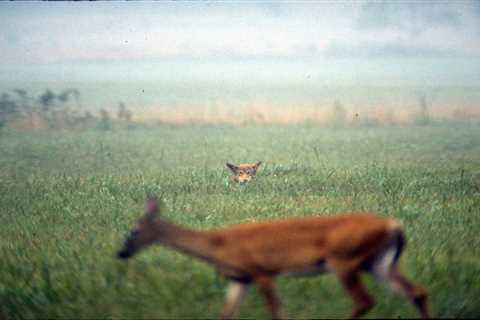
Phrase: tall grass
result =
(67, 201)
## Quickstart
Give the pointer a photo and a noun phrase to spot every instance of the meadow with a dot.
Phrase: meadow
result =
(67, 199)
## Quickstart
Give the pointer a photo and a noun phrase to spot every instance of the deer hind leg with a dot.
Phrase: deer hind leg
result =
(235, 293)
(384, 268)
(267, 288)
(416, 293)
(361, 299)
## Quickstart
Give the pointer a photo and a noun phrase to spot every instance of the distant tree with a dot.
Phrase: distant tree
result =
(24, 103)
(105, 120)
(65, 95)
(123, 113)
(121, 110)
(339, 115)
(8, 108)
(21, 93)
(27, 106)
(423, 115)
(48, 108)
(76, 96)
(47, 100)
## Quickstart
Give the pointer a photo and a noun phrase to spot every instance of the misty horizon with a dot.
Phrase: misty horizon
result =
(205, 55)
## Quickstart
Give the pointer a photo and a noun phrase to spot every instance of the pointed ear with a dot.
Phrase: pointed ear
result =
(151, 208)
(154, 206)
(258, 164)
(232, 167)
(151, 205)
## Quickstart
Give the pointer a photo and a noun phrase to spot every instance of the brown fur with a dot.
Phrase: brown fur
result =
(243, 172)
(345, 245)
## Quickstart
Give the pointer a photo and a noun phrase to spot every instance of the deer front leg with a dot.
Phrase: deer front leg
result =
(267, 288)
(235, 293)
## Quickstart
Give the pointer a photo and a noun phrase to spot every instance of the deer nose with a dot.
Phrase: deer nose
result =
(127, 250)
(123, 254)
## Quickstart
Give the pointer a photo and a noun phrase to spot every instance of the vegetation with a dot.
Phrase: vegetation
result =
(423, 116)
(61, 111)
(68, 199)
(55, 111)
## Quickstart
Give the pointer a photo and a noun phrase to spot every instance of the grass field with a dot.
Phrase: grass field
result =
(68, 199)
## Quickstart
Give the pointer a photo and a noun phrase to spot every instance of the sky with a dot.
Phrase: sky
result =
(342, 42)
(65, 32)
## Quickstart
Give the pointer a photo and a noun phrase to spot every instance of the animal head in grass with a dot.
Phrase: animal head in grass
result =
(243, 172)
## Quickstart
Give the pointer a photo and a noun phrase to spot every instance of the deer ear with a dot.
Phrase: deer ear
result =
(151, 206)
(232, 167)
(154, 207)
(258, 164)
(151, 209)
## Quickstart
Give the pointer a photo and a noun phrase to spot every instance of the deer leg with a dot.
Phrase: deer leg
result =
(361, 299)
(267, 288)
(235, 293)
(416, 293)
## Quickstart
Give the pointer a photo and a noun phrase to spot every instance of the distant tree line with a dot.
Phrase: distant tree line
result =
(52, 110)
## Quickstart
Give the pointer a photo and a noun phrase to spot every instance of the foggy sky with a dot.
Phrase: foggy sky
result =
(49, 32)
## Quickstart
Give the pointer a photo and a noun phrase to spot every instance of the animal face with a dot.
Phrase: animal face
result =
(243, 172)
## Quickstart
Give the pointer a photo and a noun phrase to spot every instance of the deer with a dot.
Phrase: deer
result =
(243, 172)
(346, 245)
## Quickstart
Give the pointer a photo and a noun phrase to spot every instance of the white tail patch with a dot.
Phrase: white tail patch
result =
(386, 260)
(384, 263)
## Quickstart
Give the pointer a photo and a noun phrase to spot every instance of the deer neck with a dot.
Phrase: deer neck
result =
(192, 242)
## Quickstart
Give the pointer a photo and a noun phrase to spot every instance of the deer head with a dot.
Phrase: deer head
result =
(144, 233)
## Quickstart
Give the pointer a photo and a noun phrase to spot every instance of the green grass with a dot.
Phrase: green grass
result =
(67, 200)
